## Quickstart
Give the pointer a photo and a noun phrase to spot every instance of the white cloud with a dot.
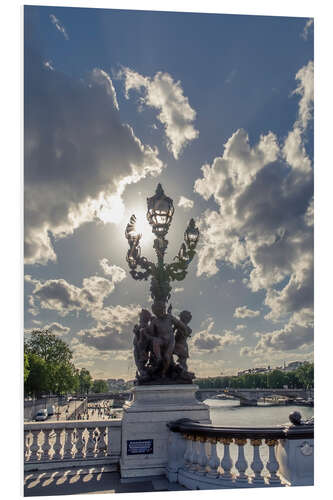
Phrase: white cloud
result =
(204, 368)
(100, 77)
(49, 65)
(245, 312)
(63, 297)
(166, 95)
(306, 30)
(185, 203)
(263, 223)
(117, 316)
(240, 327)
(116, 273)
(205, 340)
(114, 329)
(57, 328)
(78, 155)
(291, 337)
(33, 309)
(59, 26)
(306, 90)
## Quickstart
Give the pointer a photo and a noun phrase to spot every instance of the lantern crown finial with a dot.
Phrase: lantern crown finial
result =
(160, 212)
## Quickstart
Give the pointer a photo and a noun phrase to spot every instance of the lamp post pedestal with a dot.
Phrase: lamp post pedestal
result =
(145, 433)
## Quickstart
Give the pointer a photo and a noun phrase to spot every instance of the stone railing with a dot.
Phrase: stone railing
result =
(203, 456)
(75, 443)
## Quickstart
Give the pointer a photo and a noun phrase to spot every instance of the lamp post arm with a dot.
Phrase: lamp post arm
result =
(134, 258)
(177, 270)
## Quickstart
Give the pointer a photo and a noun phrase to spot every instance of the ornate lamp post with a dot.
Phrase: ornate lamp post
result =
(158, 338)
(159, 214)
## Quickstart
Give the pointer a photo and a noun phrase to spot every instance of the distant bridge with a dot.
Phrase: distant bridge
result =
(250, 397)
(247, 397)
(119, 397)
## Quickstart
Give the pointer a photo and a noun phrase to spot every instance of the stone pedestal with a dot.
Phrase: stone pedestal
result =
(296, 461)
(145, 434)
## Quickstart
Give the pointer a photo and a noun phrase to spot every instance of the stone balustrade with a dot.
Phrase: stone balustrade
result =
(74, 443)
(203, 456)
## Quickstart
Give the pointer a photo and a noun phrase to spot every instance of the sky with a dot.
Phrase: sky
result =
(219, 109)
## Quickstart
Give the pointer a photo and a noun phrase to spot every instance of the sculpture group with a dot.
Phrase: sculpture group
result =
(157, 339)
(160, 338)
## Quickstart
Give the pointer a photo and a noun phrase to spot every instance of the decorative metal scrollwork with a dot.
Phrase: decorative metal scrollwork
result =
(159, 215)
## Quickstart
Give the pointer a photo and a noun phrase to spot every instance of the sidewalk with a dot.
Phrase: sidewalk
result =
(70, 482)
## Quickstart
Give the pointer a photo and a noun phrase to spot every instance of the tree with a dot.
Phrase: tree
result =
(305, 374)
(38, 379)
(26, 367)
(63, 378)
(85, 381)
(276, 379)
(51, 359)
(99, 385)
(48, 346)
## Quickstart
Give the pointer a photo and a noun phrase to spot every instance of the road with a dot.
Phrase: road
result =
(101, 410)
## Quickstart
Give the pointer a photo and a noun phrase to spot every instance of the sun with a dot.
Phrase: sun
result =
(142, 226)
(112, 210)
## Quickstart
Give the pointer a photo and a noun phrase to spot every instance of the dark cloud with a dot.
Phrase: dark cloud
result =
(207, 341)
(291, 337)
(63, 297)
(107, 338)
(77, 152)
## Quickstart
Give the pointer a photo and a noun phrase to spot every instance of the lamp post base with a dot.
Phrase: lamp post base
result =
(145, 433)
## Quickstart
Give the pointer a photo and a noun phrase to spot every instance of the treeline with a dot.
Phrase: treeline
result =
(49, 368)
(302, 378)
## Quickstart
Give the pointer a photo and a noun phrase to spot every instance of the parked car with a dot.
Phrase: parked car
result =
(51, 410)
(41, 415)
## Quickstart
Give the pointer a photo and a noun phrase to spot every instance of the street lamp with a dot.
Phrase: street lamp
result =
(160, 212)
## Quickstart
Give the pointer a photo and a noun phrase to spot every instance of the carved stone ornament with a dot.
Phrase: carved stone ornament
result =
(306, 449)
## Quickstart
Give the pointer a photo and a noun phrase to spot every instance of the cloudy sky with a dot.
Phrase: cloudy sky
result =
(219, 109)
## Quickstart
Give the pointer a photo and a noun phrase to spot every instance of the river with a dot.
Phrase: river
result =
(230, 413)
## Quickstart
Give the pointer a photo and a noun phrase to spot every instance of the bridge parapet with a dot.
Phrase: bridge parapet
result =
(213, 457)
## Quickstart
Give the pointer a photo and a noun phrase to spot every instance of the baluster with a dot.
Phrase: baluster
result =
(257, 464)
(46, 446)
(214, 460)
(226, 462)
(241, 463)
(34, 448)
(57, 445)
(202, 456)
(188, 451)
(101, 443)
(79, 443)
(272, 464)
(26, 445)
(74, 441)
(68, 444)
(90, 449)
(194, 456)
